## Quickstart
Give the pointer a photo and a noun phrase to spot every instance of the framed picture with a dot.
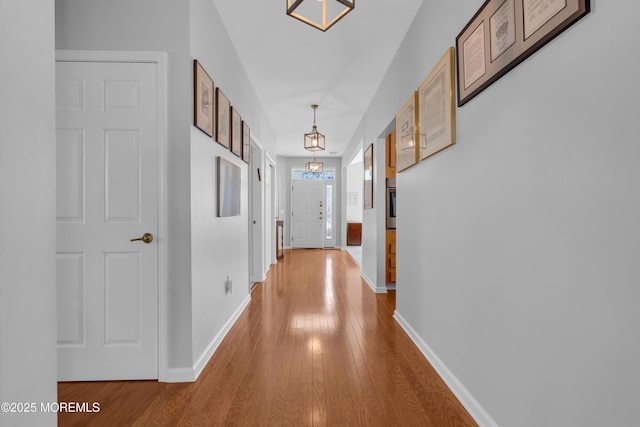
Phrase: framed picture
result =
(202, 99)
(223, 119)
(407, 136)
(436, 107)
(503, 33)
(229, 188)
(246, 142)
(236, 133)
(368, 177)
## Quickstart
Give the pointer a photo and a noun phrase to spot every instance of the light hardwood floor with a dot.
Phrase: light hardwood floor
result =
(315, 347)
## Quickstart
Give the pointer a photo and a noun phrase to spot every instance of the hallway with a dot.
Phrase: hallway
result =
(314, 347)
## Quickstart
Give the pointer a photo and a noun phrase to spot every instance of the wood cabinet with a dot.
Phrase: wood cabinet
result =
(391, 256)
(390, 239)
(354, 234)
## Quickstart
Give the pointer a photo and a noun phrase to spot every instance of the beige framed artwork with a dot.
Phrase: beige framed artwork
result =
(202, 99)
(407, 136)
(236, 133)
(503, 33)
(223, 119)
(246, 142)
(436, 107)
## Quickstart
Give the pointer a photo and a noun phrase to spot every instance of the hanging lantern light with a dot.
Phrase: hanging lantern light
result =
(314, 140)
(320, 14)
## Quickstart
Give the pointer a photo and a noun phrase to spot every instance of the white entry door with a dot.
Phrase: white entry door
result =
(107, 195)
(307, 217)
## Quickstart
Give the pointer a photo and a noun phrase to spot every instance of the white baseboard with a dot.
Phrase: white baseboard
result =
(374, 288)
(215, 343)
(179, 375)
(187, 375)
(472, 406)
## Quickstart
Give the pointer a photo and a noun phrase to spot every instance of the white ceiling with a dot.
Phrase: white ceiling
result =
(292, 65)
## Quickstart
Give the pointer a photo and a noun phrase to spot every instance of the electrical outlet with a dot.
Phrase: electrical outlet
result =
(228, 285)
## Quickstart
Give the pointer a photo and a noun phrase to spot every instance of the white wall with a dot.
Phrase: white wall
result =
(220, 246)
(28, 367)
(518, 247)
(354, 184)
(203, 249)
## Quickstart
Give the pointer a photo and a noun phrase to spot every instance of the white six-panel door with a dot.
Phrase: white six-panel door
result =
(107, 194)
(307, 217)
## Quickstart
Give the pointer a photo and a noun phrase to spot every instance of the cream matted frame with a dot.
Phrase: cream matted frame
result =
(436, 107)
(223, 119)
(407, 135)
(236, 132)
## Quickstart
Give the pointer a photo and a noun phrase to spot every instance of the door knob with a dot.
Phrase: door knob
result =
(146, 237)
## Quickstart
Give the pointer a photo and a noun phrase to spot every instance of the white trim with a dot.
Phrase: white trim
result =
(215, 343)
(179, 375)
(269, 159)
(374, 288)
(255, 140)
(472, 406)
(161, 59)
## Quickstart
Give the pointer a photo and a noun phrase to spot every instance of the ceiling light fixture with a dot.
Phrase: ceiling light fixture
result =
(321, 14)
(314, 140)
(314, 166)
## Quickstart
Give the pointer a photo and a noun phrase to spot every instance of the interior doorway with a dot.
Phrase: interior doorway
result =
(313, 213)
(353, 187)
(109, 144)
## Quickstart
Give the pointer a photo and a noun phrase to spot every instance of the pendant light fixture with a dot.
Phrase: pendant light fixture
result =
(320, 14)
(314, 140)
(314, 166)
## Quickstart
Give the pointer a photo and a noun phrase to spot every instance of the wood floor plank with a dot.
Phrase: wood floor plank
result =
(315, 347)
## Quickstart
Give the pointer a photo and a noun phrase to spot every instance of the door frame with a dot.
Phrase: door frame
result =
(160, 60)
(257, 267)
(333, 242)
(270, 213)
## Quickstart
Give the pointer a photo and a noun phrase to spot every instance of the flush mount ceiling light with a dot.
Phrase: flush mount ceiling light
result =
(321, 14)
(314, 140)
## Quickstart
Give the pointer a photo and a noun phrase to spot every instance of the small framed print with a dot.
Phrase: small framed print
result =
(246, 142)
(437, 108)
(236, 132)
(202, 99)
(223, 119)
(407, 136)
